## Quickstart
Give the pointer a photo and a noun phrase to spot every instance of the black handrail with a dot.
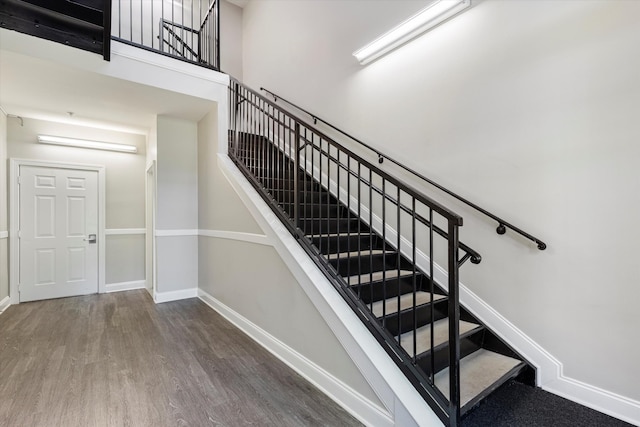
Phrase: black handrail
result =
(502, 224)
(471, 254)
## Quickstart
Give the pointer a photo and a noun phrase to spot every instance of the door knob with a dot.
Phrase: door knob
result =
(91, 238)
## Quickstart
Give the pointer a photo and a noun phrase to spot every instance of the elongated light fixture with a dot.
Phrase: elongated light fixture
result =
(424, 20)
(84, 143)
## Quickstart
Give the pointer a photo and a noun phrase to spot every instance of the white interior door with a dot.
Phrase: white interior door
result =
(58, 232)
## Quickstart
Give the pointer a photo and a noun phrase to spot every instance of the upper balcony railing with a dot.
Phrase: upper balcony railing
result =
(185, 29)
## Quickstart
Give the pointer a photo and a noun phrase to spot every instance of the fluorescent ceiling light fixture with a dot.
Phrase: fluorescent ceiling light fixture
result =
(424, 20)
(83, 143)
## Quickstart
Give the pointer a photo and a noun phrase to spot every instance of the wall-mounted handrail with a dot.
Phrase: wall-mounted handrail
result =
(502, 224)
(470, 254)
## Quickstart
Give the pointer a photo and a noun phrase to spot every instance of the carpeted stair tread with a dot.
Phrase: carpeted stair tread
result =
(440, 335)
(478, 371)
(406, 301)
(353, 254)
(376, 276)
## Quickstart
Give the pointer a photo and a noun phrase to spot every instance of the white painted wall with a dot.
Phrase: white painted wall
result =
(4, 241)
(124, 192)
(231, 39)
(526, 107)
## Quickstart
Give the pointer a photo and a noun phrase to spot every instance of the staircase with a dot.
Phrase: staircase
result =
(383, 247)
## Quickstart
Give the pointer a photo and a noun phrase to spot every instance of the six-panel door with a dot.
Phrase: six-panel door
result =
(58, 219)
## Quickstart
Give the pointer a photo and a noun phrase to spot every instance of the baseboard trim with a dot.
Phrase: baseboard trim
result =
(596, 398)
(352, 401)
(548, 367)
(4, 304)
(550, 376)
(125, 286)
(161, 297)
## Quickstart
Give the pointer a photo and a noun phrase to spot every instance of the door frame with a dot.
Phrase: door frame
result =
(14, 215)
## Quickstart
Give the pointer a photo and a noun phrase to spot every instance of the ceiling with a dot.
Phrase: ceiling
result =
(41, 89)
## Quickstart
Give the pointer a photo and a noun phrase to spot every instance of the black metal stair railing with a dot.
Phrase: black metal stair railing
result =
(187, 30)
(382, 244)
(503, 225)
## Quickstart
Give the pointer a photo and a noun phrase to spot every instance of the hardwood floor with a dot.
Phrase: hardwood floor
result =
(120, 360)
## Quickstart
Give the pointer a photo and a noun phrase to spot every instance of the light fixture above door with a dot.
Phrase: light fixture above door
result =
(427, 18)
(84, 143)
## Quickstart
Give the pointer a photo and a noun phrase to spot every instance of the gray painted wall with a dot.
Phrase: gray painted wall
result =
(177, 174)
(177, 204)
(125, 175)
(526, 107)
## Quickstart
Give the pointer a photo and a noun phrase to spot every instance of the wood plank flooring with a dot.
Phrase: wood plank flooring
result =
(120, 360)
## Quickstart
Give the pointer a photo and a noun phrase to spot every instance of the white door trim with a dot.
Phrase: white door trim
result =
(14, 215)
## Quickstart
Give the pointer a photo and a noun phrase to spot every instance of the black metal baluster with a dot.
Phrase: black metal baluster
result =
(431, 290)
(182, 37)
(398, 235)
(151, 24)
(161, 30)
(290, 203)
(384, 253)
(254, 139)
(217, 35)
(338, 172)
(296, 168)
(413, 259)
(307, 203)
(360, 230)
(454, 326)
(348, 169)
(274, 151)
(329, 200)
(370, 238)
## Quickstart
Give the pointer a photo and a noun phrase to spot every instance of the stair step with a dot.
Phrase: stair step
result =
(346, 242)
(319, 226)
(406, 302)
(346, 255)
(316, 210)
(440, 335)
(378, 275)
(478, 372)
